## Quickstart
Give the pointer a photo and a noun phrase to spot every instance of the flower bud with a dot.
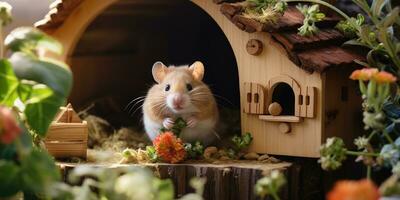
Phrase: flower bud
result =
(9, 129)
(5, 14)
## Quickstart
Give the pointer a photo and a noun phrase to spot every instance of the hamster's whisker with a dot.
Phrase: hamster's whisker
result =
(133, 101)
(137, 109)
(137, 103)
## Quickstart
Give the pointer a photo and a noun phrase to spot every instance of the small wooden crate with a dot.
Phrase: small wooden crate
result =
(67, 135)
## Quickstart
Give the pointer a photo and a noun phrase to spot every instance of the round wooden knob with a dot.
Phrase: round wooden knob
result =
(275, 109)
(284, 128)
(254, 47)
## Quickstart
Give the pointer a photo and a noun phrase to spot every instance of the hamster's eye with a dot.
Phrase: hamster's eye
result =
(167, 87)
(189, 87)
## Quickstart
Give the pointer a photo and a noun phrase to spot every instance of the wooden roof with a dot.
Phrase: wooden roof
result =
(59, 11)
(315, 53)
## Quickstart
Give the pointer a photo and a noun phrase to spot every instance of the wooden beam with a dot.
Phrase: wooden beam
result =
(270, 118)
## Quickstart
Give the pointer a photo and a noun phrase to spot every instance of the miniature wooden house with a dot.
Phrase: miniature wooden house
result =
(67, 135)
(306, 76)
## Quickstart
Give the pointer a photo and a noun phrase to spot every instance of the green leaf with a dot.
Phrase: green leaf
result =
(363, 5)
(57, 77)
(24, 91)
(10, 182)
(40, 114)
(8, 83)
(355, 42)
(38, 172)
(242, 141)
(164, 189)
(377, 6)
(39, 93)
(391, 18)
(151, 152)
(367, 36)
(30, 39)
(8, 152)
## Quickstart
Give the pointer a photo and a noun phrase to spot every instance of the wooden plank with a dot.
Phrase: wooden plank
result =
(68, 132)
(248, 98)
(302, 104)
(67, 149)
(254, 98)
(310, 101)
(281, 118)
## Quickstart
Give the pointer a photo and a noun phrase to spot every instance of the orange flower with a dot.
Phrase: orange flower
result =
(9, 129)
(354, 190)
(363, 74)
(384, 77)
(169, 147)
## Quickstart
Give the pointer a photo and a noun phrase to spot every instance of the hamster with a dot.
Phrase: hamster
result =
(180, 92)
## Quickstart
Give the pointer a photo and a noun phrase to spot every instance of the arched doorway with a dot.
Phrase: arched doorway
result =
(113, 56)
(284, 95)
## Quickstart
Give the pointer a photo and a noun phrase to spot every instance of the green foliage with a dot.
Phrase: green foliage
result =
(38, 172)
(259, 5)
(151, 153)
(333, 153)
(194, 151)
(55, 75)
(178, 126)
(34, 173)
(34, 87)
(118, 183)
(10, 178)
(270, 185)
(242, 142)
(311, 16)
(40, 83)
(5, 14)
(8, 83)
(350, 27)
(265, 11)
(30, 40)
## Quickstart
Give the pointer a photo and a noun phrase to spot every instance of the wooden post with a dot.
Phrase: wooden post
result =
(225, 180)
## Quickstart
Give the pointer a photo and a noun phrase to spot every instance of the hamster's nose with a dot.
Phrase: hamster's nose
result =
(177, 101)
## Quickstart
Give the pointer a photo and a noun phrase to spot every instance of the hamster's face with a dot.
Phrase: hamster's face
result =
(181, 87)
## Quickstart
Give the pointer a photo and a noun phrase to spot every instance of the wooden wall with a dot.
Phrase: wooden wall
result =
(343, 112)
(305, 137)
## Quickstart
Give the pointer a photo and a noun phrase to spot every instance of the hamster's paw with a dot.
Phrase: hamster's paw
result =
(192, 122)
(168, 123)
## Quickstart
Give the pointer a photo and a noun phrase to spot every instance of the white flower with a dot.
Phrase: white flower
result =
(361, 142)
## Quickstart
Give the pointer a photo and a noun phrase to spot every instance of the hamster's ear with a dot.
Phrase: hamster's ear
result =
(197, 69)
(159, 71)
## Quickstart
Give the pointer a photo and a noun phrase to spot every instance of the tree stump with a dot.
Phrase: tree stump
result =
(225, 179)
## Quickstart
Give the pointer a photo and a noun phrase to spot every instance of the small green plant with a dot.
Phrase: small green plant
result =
(350, 27)
(270, 185)
(265, 11)
(194, 151)
(242, 142)
(177, 128)
(152, 154)
(311, 16)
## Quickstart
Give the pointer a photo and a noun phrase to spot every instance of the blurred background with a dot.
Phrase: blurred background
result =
(27, 12)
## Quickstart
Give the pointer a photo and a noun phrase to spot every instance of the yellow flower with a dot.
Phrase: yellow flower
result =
(364, 74)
